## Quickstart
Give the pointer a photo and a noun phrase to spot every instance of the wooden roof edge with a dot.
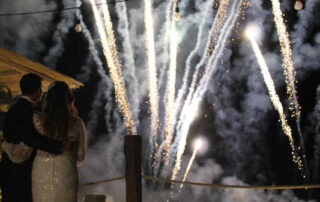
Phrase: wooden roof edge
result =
(38, 67)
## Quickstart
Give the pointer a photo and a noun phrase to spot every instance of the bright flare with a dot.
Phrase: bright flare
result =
(275, 100)
(202, 144)
(252, 31)
(109, 50)
(198, 144)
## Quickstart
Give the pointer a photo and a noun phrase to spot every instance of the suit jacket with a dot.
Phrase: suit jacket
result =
(18, 127)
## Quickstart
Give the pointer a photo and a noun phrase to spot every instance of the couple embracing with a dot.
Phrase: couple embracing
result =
(42, 150)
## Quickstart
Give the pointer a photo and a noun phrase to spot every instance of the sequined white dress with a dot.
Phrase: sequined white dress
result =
(55, 178)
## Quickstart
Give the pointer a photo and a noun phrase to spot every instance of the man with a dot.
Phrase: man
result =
(18, 127)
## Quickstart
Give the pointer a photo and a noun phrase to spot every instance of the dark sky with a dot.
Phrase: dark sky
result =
(246, 143)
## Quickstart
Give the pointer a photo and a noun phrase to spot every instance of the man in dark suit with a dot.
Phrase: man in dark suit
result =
(18, 127)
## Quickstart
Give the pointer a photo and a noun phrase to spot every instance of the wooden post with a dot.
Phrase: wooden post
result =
(132, 150)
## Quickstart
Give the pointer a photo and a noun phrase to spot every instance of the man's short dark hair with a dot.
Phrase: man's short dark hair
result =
(29, 83)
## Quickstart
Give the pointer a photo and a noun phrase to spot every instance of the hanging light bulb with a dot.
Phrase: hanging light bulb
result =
(78, 27)
(176, 14)
(298, 5)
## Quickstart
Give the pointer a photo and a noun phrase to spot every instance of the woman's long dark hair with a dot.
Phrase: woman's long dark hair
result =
(59, 110)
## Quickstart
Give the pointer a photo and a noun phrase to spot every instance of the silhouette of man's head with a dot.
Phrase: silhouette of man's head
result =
(29, 83)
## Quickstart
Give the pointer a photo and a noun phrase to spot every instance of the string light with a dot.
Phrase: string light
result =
(78, 27)
(298, 5)
(176, 15)
(55, 10)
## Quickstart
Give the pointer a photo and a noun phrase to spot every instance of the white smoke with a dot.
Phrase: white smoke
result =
(62, 29)
(237, 96)
(24, 33)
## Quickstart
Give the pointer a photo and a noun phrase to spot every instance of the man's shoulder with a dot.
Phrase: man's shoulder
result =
(18, 106)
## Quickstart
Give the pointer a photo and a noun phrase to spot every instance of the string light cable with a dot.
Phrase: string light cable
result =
(55, 10)
(227, 186)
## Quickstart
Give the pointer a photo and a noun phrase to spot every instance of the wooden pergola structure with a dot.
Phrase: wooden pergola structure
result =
(13, 66)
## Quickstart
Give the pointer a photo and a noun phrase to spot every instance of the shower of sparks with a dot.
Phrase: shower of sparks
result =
(288, 69)
(274, 98)
(183, 89)
(109, 50)
(221, 15)
(197, 147)
(152, 70)
(133, 88)
(193, 100)
(171, 85)
(212, 38)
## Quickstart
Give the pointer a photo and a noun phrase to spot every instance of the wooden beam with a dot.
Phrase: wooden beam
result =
(132, 150)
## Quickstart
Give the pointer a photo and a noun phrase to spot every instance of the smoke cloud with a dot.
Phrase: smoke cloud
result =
(235, 114)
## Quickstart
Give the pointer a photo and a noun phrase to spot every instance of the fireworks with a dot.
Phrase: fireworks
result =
(198, 89)
(288, 69)
(250, 32)
(109, 50)
(198, 145)
(152, 69)
(171, 85)
(180, 113)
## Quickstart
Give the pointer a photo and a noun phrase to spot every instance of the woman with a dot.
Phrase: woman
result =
(55, 177)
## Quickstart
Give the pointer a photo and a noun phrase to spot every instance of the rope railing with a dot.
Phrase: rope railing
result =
(274, 187)
(311, 186)
(102, 181)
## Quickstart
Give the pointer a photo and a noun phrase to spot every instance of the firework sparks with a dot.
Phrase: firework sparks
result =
(152, 69)
(288, 70)
(171, 84)
(194, 98)
(274, 96)
(109, 50)
(193, 53)
(128, 55)
(214, 30)
(198, 144)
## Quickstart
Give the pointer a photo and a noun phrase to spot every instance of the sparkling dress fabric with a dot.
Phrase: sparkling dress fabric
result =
(55, 178)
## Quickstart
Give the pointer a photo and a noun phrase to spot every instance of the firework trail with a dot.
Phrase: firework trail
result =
(202, 33)
(171, 82)
(166, 33)
(152, 72)
(129, 72)
(197, 147)
(114, 65)
(106, 81)
(275, 98)
(193, 99)
(212, 39)
(289, 72)
(207, 20)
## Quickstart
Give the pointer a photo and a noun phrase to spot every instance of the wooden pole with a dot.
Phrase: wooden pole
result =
(132, 150)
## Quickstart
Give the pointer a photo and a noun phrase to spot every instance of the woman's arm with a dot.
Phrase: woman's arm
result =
(82, 142)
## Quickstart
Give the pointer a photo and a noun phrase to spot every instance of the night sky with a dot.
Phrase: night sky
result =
(245, 141)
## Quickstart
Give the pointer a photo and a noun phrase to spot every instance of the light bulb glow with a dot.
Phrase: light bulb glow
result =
(78, 28)
(298, 5)
(176, 16)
